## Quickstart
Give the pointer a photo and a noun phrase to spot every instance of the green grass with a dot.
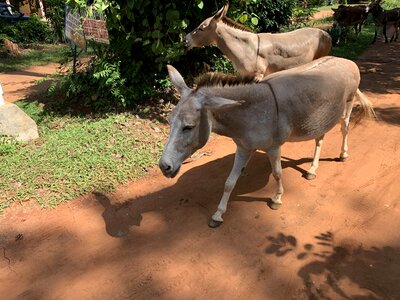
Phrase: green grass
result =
(314, 23)
(389, 4)
(39, 55)
(326, 7)
(355, 44)
(74, 156)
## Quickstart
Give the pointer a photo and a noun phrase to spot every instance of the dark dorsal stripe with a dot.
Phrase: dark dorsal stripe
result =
(234, 24)
(221, 79)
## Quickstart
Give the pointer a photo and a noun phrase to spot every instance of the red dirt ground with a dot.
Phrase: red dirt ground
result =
(19, 84)
(336, 237)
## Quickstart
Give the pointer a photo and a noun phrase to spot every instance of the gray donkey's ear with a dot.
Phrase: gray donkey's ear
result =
(222, 12)
(213, 102)
(177, 80)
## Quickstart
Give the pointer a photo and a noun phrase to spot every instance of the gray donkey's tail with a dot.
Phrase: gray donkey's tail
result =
(366, 110)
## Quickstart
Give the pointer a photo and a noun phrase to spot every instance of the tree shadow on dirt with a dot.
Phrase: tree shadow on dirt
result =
(36, 91)
(390, 115)
(49, 260)
(329, 265)
(380, 68)
(120, 218)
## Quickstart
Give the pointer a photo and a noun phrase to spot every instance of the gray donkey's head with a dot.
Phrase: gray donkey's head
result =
(190, 126)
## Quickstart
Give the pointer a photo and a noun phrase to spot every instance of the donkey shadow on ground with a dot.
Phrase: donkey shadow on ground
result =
(206, 184)
(329, 266)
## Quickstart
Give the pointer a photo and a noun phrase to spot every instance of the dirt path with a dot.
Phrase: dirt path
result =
(336, 237)
(19, 84)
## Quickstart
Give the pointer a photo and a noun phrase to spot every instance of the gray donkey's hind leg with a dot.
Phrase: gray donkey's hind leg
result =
(344, 122)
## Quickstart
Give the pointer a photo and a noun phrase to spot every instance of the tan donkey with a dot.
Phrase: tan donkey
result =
(259, 54)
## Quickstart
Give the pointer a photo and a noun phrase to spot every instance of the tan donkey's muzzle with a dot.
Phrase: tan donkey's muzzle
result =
(188, 41)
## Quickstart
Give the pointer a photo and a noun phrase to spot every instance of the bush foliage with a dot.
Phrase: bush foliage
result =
(146, 35)
(29, 31)
(55, 13)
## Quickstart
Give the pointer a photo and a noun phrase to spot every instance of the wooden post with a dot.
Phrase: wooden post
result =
(9, 8)
(1, 96)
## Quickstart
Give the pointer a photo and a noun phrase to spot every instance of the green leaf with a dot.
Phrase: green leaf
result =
(156, 34)
(172, 15)
(200, 4)
(184, 24)
(157, 46)
(243, 18)
(254, 20)
(131, 4)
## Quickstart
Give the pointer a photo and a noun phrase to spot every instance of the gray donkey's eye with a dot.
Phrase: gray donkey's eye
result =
(187, 128)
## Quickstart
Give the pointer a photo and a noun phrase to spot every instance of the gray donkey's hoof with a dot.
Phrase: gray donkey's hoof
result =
(214, 224)
(273, 205)
(310, 176)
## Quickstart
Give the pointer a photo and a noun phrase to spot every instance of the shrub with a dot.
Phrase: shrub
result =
(264, 15)
(32, 30)
(55, 13)
(147, 35)
(98, 86)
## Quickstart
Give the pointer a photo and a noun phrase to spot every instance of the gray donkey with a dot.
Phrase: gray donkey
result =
(259, 54)
(299, 104)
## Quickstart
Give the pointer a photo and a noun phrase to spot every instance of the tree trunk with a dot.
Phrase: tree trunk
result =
(41, 9)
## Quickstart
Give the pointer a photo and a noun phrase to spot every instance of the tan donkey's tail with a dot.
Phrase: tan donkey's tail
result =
(366, 111)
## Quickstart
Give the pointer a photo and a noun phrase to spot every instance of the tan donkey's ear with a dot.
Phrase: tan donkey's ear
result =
(177, 80)
(222, 12)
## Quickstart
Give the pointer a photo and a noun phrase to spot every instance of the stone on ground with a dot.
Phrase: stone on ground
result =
(16, 123)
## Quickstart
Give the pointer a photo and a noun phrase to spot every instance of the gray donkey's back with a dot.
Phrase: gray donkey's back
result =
(293, 105)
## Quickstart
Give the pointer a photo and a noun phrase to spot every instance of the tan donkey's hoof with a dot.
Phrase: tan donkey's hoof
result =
(214, 224)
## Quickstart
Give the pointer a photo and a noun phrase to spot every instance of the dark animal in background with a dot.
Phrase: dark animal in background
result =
(384, 18)
(345, 16)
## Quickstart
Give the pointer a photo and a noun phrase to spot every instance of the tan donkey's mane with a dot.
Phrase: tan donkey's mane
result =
(234, 24)
(221, 79)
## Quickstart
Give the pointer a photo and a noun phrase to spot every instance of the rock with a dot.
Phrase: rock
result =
(15, 122)
(12, 49)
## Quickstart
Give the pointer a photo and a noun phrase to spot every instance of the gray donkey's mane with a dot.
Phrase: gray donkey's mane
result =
(221, 79)
(234, 24)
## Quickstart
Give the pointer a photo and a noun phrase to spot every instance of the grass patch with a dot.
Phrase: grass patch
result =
(355, 45)
(316, 22)
(326, 7)
(76, 155)
(37, 55)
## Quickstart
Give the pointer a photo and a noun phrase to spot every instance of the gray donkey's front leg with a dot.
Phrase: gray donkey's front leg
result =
(242, 157)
